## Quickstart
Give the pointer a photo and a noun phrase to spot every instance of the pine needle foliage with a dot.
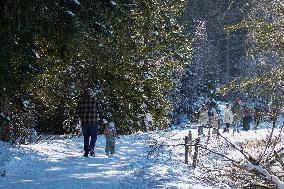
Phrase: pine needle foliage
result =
(125, 49)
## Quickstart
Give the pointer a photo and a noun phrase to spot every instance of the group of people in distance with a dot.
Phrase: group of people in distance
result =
(234, 116)
(87, 111)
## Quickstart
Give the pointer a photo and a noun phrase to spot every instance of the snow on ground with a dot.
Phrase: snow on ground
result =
(140, 162)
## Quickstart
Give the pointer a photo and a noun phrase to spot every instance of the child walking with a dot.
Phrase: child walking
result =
(228, 117)
(215, 123)
(110, 134)
(203, 119)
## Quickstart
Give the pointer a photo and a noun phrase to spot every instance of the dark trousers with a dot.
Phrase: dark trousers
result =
(246, 123)
(200, 130)
(89, 130)
(110, 145)
(226, 128)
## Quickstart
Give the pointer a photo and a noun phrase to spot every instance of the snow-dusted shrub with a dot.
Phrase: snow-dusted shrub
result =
(71, 126)
(256, 163)
(18, 127)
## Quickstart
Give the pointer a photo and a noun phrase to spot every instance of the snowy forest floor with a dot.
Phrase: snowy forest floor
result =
(142, 161)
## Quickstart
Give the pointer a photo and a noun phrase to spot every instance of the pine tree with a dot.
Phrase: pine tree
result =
(265, 50)
(124, 49)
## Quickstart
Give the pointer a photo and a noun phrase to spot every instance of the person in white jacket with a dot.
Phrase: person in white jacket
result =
(228, 117)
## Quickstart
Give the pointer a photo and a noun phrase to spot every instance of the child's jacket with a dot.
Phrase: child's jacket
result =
(110, 134)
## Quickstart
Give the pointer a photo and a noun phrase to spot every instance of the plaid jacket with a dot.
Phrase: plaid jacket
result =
(87, 110)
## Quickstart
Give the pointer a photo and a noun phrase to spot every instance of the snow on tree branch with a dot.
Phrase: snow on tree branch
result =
(264, 172)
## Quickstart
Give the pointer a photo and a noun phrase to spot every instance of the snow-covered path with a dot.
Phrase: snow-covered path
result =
(60, 164)
(140, 163)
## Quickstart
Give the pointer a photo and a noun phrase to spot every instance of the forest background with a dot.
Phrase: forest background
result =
(160, 57)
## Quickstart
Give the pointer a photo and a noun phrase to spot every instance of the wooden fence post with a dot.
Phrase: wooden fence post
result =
(190, 140)
(195, 156)
(186, 139)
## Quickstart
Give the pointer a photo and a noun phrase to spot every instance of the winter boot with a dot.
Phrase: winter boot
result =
(92, 153)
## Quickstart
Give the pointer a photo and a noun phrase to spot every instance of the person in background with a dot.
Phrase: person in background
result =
(237, 112)
(246, 118)
(228, 117)
(257, 116)
(215, 123)
(87, 112)
(203, 119)
(110, 135)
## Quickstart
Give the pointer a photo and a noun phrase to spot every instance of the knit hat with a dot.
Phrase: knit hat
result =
(89, 92)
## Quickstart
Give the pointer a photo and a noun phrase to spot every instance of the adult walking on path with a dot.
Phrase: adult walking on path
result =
(228, 117)
(203, 119)
(237, 111)
(215, 123)
(246, 118)
(87, 113)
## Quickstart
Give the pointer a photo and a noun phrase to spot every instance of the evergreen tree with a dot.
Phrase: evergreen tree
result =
(217, 56)
(265, 49)
(124, 49)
